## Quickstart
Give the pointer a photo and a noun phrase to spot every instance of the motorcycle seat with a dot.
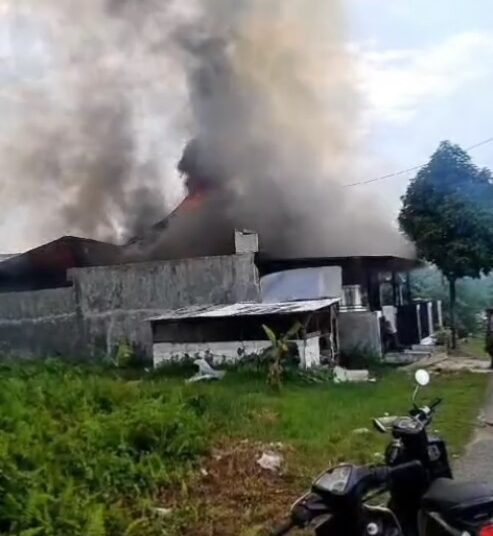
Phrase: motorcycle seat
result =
(446, 495)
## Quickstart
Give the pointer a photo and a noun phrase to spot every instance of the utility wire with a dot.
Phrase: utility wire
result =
(415, 168)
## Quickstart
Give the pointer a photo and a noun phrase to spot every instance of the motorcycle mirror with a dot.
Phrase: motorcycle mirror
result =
(422, 377)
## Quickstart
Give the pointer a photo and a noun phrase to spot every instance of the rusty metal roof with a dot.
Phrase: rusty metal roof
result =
(246, 309)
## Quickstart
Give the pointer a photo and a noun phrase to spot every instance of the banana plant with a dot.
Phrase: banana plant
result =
(278, 351)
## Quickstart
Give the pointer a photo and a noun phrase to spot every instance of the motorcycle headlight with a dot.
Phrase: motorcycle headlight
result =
(334, 481)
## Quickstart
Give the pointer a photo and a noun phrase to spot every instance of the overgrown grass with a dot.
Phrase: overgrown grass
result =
(88, 451)
(474, 347)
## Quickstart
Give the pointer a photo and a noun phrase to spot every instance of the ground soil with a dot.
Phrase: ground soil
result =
(233, 496)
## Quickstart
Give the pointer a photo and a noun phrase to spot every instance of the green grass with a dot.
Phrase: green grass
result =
(474, 347)
(88, 451)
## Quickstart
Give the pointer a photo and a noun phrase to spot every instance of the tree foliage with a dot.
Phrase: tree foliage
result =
(448, 213)
(473, 297)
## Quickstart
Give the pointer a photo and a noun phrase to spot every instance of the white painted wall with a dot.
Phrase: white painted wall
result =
(440, 314)
(390, 313)
(309, 352)
(231, 351)
(302, 284)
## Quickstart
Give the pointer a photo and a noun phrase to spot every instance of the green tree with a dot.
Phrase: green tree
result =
(448, 212)
(474, 296)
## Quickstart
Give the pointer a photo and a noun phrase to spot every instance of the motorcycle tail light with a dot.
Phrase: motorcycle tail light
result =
(486, 531)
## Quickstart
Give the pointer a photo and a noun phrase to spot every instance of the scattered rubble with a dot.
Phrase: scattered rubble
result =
(458, 364)
(361, 431)
(206, 372)
(342, 375)
(271, 461)
(163, 512)
(445, 363)
(235, 478)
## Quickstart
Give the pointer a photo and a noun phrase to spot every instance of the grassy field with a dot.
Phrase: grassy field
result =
(474, 347)
(101, 452)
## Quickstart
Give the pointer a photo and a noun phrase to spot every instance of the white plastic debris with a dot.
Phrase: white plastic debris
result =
(342, 375)
(163, 512)
(271, 461)
(361, 431)
(206, 372)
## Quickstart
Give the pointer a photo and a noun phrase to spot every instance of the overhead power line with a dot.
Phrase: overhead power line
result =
(411, 169)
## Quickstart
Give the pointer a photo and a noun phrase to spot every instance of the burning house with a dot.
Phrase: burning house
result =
(274, 142)
(207, 287)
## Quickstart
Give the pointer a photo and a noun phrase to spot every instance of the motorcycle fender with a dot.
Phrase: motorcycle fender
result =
(431, 524)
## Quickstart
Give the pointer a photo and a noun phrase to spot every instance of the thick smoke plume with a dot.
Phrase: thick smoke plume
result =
(94, 119)
(266, 90)
(275, 121)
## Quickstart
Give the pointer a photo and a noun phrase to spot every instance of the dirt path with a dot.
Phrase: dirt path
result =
(477, 463)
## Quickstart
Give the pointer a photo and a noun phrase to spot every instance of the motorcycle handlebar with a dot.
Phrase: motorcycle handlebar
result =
(436, 403)
(379, 476)
(384, 475)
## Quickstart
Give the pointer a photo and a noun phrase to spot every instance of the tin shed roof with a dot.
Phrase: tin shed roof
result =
(247, 309)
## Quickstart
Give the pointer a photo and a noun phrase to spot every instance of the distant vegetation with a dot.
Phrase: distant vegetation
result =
(448, 213)
(90, 451)
(473, 297)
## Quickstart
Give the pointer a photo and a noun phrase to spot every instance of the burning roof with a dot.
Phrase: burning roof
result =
(46, 266)
(217, 204)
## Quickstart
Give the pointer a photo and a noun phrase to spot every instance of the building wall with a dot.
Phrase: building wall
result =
(221, 351)
(108, 305)
(43, 322)
(232, 351)
(302, 284)
(360, 330)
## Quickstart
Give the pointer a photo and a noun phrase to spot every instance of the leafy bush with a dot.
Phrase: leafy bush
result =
(86, 454)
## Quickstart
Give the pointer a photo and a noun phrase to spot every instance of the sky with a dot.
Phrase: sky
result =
(423, 68)
(427, 75)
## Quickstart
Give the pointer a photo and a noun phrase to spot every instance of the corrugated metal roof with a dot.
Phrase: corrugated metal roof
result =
(5, 256)
(247, 309)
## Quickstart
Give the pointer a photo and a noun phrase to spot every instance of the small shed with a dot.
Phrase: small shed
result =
(226, 333)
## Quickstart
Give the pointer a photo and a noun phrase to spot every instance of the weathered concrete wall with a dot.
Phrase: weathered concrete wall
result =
(114, 301)
(360, 330)
(109, 305)
(167, 285)
(39, 323)
(232, 351)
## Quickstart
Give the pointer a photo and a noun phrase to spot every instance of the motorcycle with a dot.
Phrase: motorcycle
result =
(424, 498)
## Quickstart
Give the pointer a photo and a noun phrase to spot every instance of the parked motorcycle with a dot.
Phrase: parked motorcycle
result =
(424, 499)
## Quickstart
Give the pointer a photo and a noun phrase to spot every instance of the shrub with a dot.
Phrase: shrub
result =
(86, 454)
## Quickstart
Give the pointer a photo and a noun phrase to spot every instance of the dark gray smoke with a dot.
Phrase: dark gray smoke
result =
(89, 145)
(275, 123)
(265, 87)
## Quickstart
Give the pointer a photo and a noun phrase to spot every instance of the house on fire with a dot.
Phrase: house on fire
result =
(171, 291)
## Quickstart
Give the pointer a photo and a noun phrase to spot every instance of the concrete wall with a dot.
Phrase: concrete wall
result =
(115, 301)
(39, 323)
(231, 351)
(221, 351)
(108, 305)
(360, 330)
